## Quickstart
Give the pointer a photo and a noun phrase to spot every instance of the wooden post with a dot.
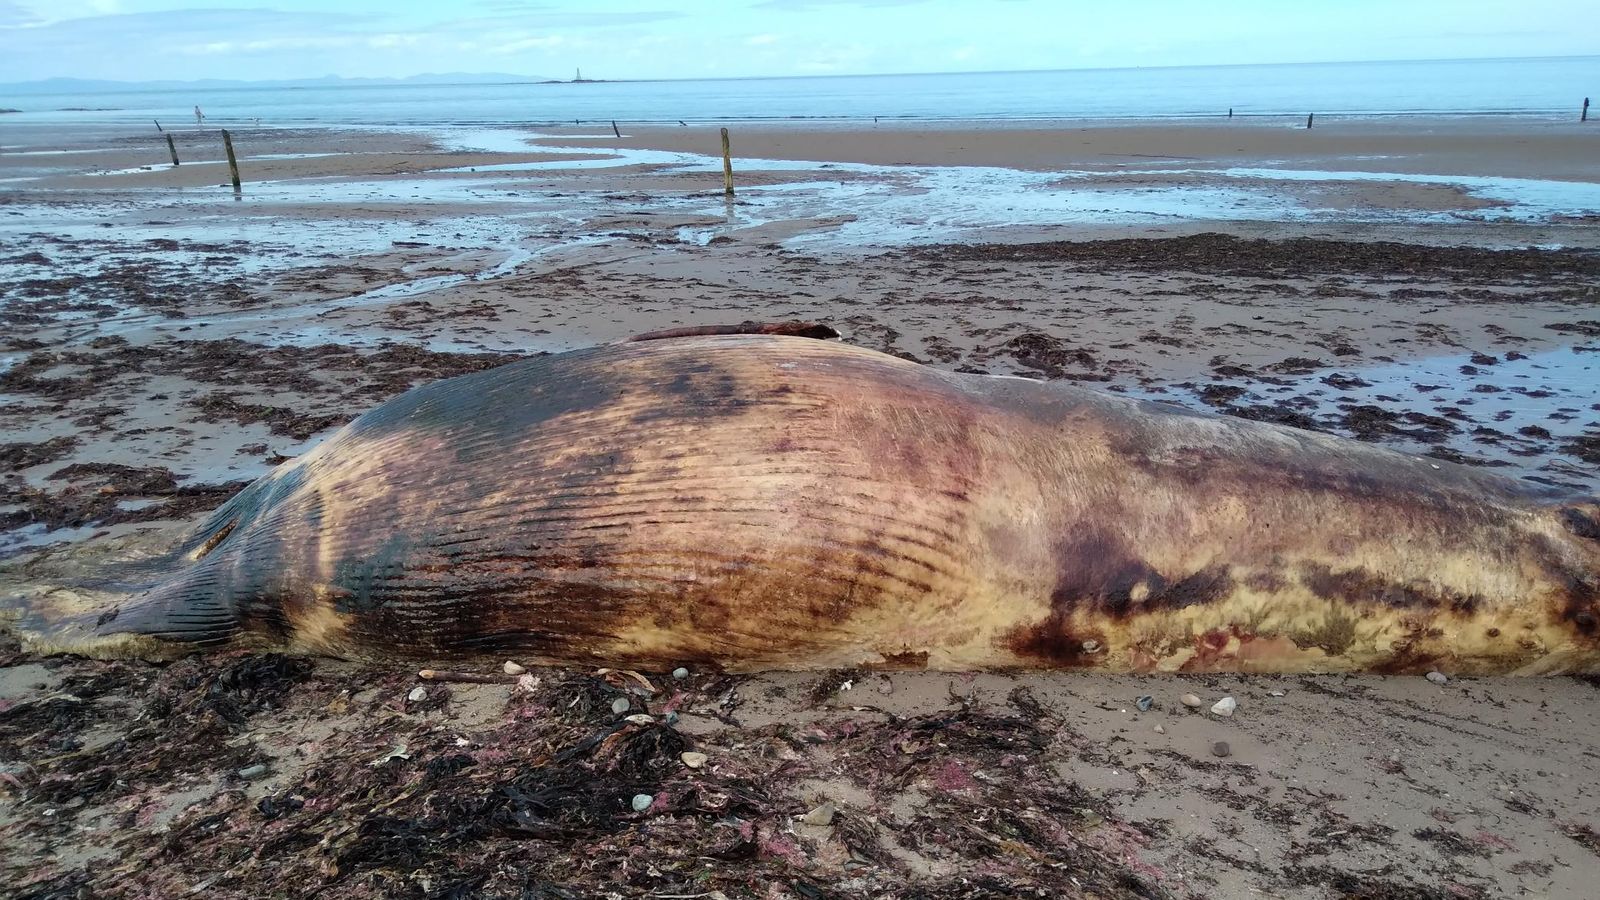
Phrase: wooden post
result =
(727, 166)
(1585, 116)
(1309, 117)
(158, 124)
(614, 128)
(233, 163)
(1230, 112)
(173, 149)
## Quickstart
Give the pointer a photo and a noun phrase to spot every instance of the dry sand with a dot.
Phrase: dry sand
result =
(163, 344)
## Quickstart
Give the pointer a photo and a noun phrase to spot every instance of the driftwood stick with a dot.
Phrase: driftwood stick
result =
(465, 677)
(727, 165)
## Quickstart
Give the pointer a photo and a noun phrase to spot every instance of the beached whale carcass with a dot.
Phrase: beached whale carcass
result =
(756, 501)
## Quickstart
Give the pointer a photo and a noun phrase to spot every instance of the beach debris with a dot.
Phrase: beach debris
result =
(640, 719)
(1191, 701)
(680, 673)
(251, 773)
(464, 677)
(418, 694)
(626, 680)
(1145, 702)
(1224, 707)
(1159, 729)
(400, 751)
(529, 683)
(1276, 693)
(1438, 677)
(621, 705)
(511, 667)
(1221, 750)
(641, 802)
(820, 816)
(694, 759)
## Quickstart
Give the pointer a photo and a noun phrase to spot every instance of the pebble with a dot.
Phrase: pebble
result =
(1191, 701)
(1225, 706)
(1144, 703)
(1159, 730)
(694, 759)
(641, 802)
(1221, 749)
(418, 694)
(250, 773)
(514, 668)
(680, 673)
(641, 719)
(1438, 677)
(621, 705)
(1276, 693)
(821, 816)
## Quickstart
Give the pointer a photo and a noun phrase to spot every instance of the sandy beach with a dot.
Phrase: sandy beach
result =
(1428, 285)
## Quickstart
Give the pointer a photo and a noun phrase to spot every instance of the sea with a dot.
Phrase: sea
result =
(1547, 87)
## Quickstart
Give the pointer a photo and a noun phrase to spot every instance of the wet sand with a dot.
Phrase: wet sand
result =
(164, 343)
(1517, 148)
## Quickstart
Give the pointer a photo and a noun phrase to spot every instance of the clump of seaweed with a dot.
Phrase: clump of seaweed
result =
(552, 793)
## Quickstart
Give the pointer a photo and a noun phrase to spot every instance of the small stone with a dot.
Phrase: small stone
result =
(250, 773)
(418, 694)
(641, 802)
(641, 719)
(1438, 677)
(1224, 707)
(694, 759)
(1091, 645)
(1144, 703)
(1221, 749)
(821, 816)
(1191, 701)
(513, 668)
(680, 673)
(1276, 693)
(621, 705)
(1159, 730)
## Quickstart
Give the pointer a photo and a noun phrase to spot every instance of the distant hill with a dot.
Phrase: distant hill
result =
(88, 85)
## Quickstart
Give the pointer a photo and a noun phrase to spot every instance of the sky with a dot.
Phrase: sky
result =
(139, 40)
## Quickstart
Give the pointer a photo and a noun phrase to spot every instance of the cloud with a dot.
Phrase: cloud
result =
(802, 5)
(522, 45)
(261, 42)
(13, 15)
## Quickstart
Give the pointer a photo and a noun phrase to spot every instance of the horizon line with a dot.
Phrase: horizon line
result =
(541, 79)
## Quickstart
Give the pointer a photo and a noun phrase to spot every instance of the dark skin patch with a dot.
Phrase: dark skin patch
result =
(910, 660)
(1096, 570)
(1054, 643)
(1361, 586)
(1582, 522)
